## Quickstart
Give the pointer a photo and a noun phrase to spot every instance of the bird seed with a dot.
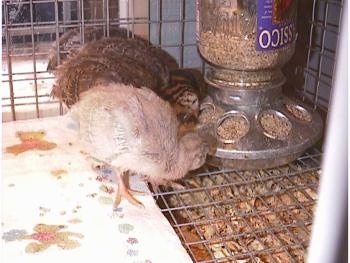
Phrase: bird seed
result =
(233, 128)
(240, 52)
(275, 126)
(299, 112)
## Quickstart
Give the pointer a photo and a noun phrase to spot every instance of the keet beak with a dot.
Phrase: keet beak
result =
(187, 117)
(208, 136)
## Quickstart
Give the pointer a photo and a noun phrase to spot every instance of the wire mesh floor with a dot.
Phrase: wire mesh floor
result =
(246, 216)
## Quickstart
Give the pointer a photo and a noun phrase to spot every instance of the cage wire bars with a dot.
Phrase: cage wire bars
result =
(221, 215)
(264, 215)
(246, 216)
(30, 27)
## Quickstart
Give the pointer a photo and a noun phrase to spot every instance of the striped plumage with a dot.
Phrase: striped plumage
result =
(72, 40)
(70, 44)
(124, 60)
(184, 91)
(107, 60)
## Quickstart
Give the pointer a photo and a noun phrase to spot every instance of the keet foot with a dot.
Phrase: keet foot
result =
(126, 192)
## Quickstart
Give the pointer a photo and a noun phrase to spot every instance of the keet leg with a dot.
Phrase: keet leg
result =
(124, 191)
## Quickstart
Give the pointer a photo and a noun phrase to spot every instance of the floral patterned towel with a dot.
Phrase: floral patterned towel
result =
(56, 208)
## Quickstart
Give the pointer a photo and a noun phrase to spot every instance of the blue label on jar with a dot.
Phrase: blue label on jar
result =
(276, 24)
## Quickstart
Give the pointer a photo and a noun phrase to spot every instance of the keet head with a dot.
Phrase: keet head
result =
(187, 106)
(196, 150)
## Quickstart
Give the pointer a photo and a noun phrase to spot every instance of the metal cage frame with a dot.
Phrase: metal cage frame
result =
(288, 193)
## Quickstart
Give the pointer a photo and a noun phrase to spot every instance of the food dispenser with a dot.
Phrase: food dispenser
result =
(245, 44)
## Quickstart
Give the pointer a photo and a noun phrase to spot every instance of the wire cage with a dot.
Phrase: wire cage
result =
(30, 28)
(221, 215)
